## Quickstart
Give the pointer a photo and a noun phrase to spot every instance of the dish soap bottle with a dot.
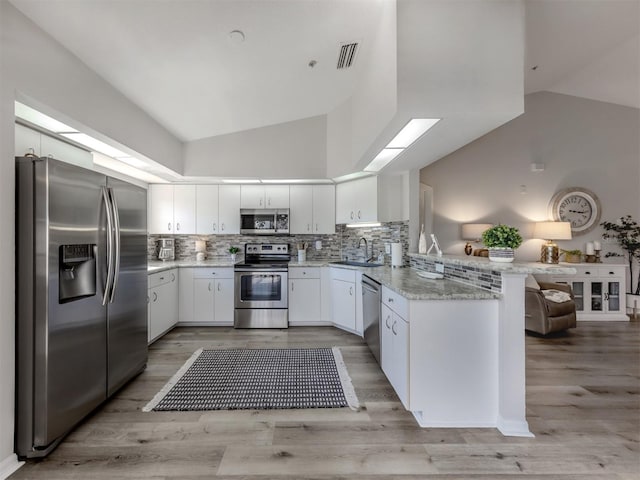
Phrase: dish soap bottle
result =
(422, 244)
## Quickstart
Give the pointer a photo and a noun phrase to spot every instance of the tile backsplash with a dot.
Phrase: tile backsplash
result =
(344, 243)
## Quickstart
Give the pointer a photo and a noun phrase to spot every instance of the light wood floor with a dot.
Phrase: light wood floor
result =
(583, 406)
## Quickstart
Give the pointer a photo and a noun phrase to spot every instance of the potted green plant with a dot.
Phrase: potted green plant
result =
(626, 232)
(233, 251)
(572, 256)
(501, 240)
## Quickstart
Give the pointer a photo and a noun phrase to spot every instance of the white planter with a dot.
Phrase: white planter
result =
(501, 255)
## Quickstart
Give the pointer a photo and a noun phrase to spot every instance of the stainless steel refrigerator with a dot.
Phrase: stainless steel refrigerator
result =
(81, 295)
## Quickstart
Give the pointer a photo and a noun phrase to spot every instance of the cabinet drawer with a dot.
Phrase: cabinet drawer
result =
(160, 278)
(304, 272)
(610, 271)
(395, 302)
(343, 274)
(213, 272)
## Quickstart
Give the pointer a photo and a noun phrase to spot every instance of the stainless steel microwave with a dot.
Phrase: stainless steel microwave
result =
(264, 221)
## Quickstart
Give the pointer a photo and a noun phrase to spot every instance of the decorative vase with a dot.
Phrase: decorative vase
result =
(501, 255)
(233, 257)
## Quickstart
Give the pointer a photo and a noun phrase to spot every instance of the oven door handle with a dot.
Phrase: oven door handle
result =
(261, 270)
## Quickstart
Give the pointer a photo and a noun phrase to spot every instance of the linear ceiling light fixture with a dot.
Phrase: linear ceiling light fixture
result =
(240, 180)
(412, 131)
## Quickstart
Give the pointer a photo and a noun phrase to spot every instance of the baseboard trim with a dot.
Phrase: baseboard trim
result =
(514, 428)
(9, 465)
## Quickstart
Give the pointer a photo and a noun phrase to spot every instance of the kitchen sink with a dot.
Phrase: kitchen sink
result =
(357, 264)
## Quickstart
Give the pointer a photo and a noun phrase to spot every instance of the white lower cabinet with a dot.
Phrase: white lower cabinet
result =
(394, 338)
(598, 289)
(211, 297)
(305, 296)
(162, 313)
(343, 297)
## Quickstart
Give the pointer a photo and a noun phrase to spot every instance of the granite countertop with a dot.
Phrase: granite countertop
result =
(407, 283)
(154, 266)
(484, 263)
(403, 281)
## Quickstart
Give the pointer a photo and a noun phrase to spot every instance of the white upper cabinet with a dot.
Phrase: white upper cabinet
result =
(324, 209)
(371, 199)
(32, 141)
(27, 141)
(207, 210)
(312, 209)
(184, 209)
(264, 196)
(301, 211)
(172, 209)
(229, 209)
(160, 209)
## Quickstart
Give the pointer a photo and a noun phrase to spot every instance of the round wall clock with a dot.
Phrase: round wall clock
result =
(578, 206)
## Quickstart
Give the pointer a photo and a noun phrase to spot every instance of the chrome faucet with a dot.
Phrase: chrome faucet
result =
(367, 258)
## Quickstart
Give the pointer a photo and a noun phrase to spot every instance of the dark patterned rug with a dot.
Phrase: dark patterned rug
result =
(260, 379)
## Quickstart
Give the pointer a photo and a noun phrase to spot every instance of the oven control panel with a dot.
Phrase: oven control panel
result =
(266, 248)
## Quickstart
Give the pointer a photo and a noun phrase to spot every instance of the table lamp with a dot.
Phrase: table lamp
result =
(551, 231)
(472, 232)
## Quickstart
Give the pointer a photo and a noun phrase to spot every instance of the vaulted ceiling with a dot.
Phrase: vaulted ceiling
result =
(179, 63)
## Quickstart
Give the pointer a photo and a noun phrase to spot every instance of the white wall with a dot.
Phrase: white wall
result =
(460, 61)
(583, 143)
(353, 126)
(289, 150)
(34, 66)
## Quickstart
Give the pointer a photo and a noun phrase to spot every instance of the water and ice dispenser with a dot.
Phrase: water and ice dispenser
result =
(77, 272)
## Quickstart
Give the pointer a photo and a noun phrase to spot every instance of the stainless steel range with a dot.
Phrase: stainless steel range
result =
(261, 299)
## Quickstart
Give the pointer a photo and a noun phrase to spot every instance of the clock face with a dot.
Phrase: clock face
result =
(578, 206)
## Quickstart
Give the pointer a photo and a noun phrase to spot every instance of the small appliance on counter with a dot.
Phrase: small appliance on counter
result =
(166, 249)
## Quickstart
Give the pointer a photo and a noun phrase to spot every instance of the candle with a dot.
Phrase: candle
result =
(597, 245)
(590, 249)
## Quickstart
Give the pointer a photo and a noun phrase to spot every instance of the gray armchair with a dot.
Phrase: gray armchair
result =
(544, 316)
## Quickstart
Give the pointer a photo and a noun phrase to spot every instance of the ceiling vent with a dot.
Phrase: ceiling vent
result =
(347, 55)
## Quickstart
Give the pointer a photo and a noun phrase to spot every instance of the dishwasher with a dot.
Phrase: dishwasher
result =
(371, 296)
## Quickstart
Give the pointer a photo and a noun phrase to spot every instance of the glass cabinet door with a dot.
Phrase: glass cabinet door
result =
(578, 295)
(613, 297)
(597, 297)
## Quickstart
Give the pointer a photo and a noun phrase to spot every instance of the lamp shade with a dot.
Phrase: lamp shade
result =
(473, 231)
(552, 230)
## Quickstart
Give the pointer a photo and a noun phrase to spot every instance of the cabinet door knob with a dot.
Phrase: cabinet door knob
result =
(292, 286)
(587, 273)
(178, 226)
(393, 328)
(214, 227)
(169, 226)
(386, 322)
(390, 300)
(155, 296)
(222, 227)
(351, 291)
(316, 227)
(359, 214)
(308, 227)
(351, 215)
(209, 286)
(173, 277)
(218, 286)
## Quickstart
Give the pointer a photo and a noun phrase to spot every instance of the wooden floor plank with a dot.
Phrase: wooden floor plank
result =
(583, 405)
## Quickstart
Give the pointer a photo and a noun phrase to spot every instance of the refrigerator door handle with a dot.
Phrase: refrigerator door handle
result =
(110, 246)
(116, 235)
